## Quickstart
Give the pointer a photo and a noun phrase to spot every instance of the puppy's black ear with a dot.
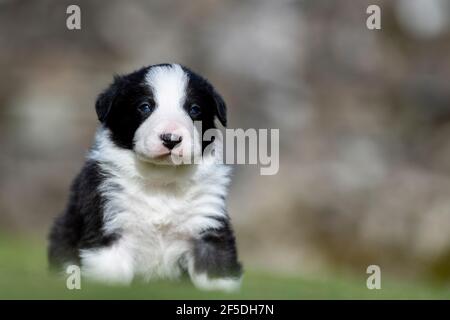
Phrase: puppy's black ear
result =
(104, 102)
(221, 109)
(103, 105)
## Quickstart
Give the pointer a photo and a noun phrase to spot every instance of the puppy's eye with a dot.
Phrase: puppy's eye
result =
(195, 110)
(145, 108)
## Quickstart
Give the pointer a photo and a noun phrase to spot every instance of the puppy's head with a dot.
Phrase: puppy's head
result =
(153, 112)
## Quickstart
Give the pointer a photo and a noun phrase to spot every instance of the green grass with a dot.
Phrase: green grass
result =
(23, 275)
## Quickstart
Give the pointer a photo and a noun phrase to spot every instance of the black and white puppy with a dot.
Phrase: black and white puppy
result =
(136, 212)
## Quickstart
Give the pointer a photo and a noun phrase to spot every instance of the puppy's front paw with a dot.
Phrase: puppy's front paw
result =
(226, 284)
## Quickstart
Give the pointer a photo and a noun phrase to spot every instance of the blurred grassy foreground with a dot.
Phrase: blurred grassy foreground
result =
(24, 275)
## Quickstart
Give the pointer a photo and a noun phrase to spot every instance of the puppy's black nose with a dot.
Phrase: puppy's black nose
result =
(170, 140)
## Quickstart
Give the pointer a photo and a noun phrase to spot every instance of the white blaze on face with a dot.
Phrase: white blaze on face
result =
(169, 87)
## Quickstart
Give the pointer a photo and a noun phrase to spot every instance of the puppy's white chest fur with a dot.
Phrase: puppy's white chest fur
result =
(158, 224)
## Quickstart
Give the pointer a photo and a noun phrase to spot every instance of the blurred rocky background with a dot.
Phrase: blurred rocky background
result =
(364, 118)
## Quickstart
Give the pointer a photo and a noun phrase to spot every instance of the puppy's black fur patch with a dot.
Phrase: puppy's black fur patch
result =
(215, 253)
(80, 227)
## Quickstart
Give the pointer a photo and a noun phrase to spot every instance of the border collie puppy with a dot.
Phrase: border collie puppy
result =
(134, 209)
